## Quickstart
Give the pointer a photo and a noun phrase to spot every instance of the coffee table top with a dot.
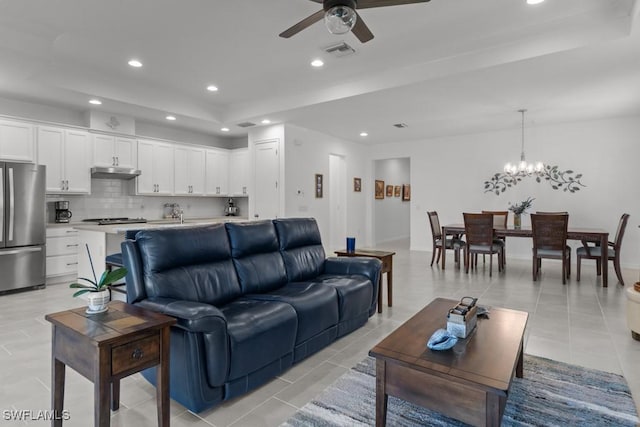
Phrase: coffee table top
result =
(487, 357)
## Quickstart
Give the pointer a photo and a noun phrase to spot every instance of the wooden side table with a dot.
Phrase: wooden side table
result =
(387, 267)
(105, 348)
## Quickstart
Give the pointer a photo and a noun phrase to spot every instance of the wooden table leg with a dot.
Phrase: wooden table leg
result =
(162, 381)
(604, 249)
(443, 251)
(390, 283)
(380, 294)
(492, 414)
(102, 389)
(115, 394)
(520, 363)
(57, 391)
(381, 394)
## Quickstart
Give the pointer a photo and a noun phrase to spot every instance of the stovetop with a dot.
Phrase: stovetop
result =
(110, 221)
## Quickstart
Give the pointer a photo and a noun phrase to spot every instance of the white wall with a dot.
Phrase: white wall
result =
(391, 215)
(448, 174)
(307, 153)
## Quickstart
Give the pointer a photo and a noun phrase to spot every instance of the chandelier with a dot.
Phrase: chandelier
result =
(514, 172)
(523, 168)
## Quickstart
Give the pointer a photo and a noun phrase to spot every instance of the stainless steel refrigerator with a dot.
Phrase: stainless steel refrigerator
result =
(22, 225)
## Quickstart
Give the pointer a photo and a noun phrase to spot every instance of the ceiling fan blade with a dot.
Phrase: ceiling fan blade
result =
(361, 31)
(365, 4)
(306, 22)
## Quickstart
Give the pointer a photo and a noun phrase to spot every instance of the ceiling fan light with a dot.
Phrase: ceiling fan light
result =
(340, 19)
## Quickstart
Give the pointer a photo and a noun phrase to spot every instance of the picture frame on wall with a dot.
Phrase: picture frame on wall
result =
(379, 189)
(357, 185)
(389, 191)
(397, 190)
(406, 193)
(318, 186)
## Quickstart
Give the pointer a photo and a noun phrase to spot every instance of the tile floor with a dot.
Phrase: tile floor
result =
(580, 323)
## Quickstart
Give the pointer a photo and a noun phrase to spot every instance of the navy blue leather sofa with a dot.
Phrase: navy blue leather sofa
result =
(251, 300)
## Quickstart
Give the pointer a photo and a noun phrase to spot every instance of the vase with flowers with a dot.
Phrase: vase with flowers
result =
(518, 209)
(97, 291)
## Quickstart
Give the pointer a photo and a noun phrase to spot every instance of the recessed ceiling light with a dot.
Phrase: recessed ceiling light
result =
(135, 63)
(266, 121)
(224, 129)
(317, 63)
(364, 134)
(534, 1)
(172, 118)
(212, 88)
(95, 102)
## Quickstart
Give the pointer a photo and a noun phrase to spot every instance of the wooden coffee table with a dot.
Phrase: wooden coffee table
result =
(469, 382)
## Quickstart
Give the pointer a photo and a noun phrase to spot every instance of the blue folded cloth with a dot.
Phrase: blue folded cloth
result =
(442, 340)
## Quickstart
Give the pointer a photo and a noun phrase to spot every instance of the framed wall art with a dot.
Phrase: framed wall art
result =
(357, 184)
(396, 191)
(389, 191)
(379, 189)
(406, 193)
(318, 186)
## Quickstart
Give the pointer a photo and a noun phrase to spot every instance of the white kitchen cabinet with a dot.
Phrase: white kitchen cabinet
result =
(217, 173)
(62, 251)
(239, 172)
(189, 170)
(66, 153)
(114, 151)
(155, 161)
(17, 142)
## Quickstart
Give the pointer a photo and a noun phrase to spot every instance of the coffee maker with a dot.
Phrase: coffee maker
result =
(231, 209)
(63, 214)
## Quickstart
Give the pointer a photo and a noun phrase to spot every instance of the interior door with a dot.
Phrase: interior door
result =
(267, 176)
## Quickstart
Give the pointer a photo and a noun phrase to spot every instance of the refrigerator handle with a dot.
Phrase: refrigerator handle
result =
(21, 251)
(1, 204)
(12, 205)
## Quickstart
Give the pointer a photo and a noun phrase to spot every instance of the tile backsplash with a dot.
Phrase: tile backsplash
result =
(116, 198)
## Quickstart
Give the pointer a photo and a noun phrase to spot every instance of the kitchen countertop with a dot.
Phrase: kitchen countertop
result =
(151, 224)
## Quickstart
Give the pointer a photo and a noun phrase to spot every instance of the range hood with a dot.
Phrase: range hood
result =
(114, 173)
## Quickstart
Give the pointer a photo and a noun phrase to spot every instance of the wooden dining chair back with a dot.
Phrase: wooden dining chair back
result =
(454, 243)
(501, 220)
(550, 241)
(591, 250)
(481, 239)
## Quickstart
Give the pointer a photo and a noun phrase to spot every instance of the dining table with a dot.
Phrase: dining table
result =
(596, 235)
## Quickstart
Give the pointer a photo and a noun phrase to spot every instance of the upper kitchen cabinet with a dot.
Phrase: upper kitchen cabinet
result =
(17, 142)
(155, 161)
(115, 151)
(239, 172)
(66, 153)
(189, 171)
(217, 172)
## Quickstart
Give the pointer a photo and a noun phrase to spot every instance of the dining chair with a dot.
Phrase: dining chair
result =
(594, 251)
(481, 239)
(550, 241)
(454, 243)
(501, 219)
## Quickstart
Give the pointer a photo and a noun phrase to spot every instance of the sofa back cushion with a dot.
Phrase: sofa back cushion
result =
(254, 249)
(301, 248)
(192, 264)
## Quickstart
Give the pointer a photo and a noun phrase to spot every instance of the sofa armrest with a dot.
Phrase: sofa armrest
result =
(364, 266)
(192, 316)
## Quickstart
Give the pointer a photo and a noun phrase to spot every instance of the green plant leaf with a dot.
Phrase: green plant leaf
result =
(110, 277)
(81, 286)
(84, 291)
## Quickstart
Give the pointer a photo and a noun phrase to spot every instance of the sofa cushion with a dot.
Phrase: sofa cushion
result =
(354, 293)
(259, 333)
(258, 263)
(316, 306)
(192, 264)
(301, 248)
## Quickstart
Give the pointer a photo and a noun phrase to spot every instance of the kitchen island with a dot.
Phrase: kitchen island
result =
(104, 240)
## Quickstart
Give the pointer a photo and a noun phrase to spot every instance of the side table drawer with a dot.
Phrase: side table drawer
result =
(135, 355)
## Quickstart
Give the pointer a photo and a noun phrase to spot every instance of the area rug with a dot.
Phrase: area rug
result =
(550, 394)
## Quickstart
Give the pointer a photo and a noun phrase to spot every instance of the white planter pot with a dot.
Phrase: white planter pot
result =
(98, 301)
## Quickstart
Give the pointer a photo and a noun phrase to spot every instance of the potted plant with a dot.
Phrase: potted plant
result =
(518, 209)
(97, 291)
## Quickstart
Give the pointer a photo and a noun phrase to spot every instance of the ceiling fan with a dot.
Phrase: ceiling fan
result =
(340, 17)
